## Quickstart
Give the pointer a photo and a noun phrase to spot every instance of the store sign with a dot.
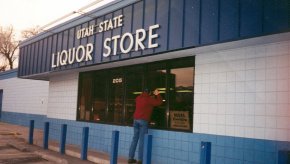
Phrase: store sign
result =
(84, 52)
(78, 54)
(179, 120)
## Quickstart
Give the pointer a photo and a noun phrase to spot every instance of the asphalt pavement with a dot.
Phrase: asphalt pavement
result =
(14, 149)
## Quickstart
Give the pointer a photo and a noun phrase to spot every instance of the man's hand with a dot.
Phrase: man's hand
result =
(156, 92)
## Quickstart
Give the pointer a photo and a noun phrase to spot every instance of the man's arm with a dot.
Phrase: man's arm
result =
(158, 100)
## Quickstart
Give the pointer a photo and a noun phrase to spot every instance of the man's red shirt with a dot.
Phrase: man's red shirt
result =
(145, 105)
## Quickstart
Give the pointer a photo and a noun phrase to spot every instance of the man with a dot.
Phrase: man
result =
(142, 115)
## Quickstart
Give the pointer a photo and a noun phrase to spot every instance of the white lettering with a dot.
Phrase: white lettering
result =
(130, 36)
(120, 21)
(140, 40)
(79, 34)
(91, 30)
(57, 59)
(53, 61)
(71, 55)
(110, 25)
(85, 32)
(89, 51)
(78, 56)
(107, 40)
(105, 23)
(63, 57)
(115, 43)
(152, 36)
(101, 28)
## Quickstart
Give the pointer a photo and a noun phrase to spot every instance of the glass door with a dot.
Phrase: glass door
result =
(156, 79)
(134, 83)
(116, 98)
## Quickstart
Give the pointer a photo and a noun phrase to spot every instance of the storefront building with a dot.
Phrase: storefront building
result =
(222, 68)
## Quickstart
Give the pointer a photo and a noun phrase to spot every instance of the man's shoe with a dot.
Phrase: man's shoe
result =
(132, 161)
(139, 162)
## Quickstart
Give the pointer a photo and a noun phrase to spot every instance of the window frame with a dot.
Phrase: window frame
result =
(168, 66)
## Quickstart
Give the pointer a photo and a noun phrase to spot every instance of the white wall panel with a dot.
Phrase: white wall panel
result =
(62, 102)
(248, 89)
(24, 96)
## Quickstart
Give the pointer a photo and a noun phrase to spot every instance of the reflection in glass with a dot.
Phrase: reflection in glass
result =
(116, 95)
(157, 80)
(108, 96)
(85, 98)
(181, 98)
(99, 100)
(134, 83)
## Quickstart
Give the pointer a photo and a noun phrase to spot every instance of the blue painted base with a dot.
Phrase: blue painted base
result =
(168, 146)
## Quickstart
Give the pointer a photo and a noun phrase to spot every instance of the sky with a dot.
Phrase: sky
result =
(25, 14)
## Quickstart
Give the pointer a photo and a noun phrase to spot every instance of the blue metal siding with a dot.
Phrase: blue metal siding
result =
(127, 27)
(35, 58)
(98, 44)
(44, 55)
(49, 52)
(275, 13)
(8, 74)
(65, 40)
(91, 39)
(30, 60)
(137, 23)
(24, 63)
(162, 19)
(107, 34)
(84, 41)
(176, 24)
(229, 19)
(59, 47)
(183, 24)
(76, 44)
(149, 19)
(39, 56)
(117, 31)
(31, 57)
(251, 18)
(191, 23)
(20, 65)
(54, 47)
(209, 21)
(71, 40)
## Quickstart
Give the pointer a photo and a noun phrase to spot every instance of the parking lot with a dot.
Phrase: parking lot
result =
(14, 149)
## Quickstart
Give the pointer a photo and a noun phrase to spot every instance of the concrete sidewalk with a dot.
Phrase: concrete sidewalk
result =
(16, 136)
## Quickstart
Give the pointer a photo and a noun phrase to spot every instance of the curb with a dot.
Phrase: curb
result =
(19, 146)
(43, 155)
(51, 157)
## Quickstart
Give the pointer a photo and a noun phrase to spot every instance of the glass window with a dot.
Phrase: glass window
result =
(85, 97)
(181, 98)
(99, 99)
(134, 84)
(156, 79)
(108, 96)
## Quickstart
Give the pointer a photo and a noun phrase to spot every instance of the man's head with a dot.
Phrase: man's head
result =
(146, 90)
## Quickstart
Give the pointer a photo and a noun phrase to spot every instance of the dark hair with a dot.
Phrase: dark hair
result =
(147, 90)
